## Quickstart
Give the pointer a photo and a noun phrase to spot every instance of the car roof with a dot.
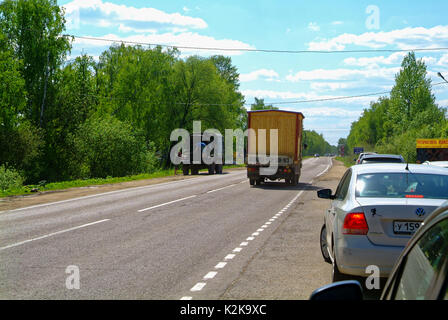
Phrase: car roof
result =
(392, 156)
(397, 167)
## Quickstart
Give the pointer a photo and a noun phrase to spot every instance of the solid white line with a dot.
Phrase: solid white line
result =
(52, 234)
(220, 188)
(220, 265)
(210, 275)
(166, 203)
(198, 286)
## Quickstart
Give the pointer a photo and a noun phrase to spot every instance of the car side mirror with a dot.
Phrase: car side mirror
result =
(342, 290)
(325, 194)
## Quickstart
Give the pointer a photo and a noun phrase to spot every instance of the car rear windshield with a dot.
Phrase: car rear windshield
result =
(402, 185)
(377, 160)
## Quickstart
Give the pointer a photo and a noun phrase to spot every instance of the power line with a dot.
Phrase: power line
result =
(256, 50)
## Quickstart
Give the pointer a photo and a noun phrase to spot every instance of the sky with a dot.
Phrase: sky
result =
(307, 28)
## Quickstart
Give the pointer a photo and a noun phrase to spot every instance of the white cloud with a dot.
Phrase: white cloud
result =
(394, 58)
(135, 18)
(343, 74)
(185, 39)
(406, 38)
(266, 74)
(313, 26)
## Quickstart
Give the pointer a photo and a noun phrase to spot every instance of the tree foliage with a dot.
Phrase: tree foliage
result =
(84, 118)
(392, 124)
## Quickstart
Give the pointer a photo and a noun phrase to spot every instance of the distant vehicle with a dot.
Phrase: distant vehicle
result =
(443, 164)
(374, 212)
(382, 158)
(420, 272)
(316, 155)
(361, 155)
(194, 168)
(289, 126)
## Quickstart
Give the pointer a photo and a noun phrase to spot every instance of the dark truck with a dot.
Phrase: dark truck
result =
(289, 163)
(195, 167)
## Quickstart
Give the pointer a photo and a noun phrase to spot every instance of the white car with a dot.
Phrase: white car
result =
(443, 164)
(374, 212)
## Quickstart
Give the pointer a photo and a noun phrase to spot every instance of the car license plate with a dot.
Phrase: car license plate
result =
(406, 227)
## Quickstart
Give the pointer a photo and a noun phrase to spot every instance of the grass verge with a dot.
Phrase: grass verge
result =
(24, 190)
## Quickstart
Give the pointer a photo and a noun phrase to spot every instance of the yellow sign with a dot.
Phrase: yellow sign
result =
(432, 143)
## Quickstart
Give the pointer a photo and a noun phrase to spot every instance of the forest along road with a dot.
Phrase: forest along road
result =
(188, 239)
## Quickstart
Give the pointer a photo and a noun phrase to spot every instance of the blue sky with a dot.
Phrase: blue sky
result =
(284, 25)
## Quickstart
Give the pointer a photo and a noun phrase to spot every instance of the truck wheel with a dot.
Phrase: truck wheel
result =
(211, 170)
(194, 171)
(218, 169)
(185, 171)
(251, 182)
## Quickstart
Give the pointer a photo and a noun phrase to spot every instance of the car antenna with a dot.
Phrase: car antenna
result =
(407, 166)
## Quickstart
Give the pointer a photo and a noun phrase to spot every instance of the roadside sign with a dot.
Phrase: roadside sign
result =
(358, 150)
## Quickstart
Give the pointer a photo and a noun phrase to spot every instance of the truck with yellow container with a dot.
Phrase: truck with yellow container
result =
(263, 126)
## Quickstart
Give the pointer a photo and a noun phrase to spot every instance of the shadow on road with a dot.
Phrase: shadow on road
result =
(274, 185)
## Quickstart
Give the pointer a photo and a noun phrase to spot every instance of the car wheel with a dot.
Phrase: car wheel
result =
(251, 182)
(324, 245)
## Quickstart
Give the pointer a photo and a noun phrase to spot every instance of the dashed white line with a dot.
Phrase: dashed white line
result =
(229, 256)
(166, 203)
(243, 244)
(198, 286)
(250, 238)
(220, 265)
(210, 275)
(237, 249)
(211, 191)
(52, 234)
(186, 298)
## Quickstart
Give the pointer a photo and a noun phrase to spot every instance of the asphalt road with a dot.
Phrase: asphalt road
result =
(188, 239)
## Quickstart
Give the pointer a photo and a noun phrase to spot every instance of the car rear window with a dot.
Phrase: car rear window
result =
(402, 185)
(385, 160)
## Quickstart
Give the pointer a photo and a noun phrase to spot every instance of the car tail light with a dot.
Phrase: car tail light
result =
(355, 223)
(251, 169)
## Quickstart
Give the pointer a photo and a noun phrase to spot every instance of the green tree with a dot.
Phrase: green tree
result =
(260, 105)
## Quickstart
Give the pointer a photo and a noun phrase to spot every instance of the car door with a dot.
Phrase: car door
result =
(423, 272)
(339, 196)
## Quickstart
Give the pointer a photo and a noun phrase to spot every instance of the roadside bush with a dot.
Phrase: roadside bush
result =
(10, 179)
(108, 147)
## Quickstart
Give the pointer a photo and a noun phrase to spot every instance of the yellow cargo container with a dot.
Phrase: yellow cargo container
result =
(289, 126)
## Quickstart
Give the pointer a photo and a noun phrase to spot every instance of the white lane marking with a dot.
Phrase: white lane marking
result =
(264, 226)
(221, 188)
(198, 286)
(220, 265)
(237, 249)
(255, 233)
(210, 275)
(260, 230)
(250, 238)
(186, 298)
(229, 257)
(243, 244)
(52, 234)
(326, 169)
(101, 194)
(269, 222)
(166, 203)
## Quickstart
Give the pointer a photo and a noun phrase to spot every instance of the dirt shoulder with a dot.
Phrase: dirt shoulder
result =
(15, 202)
(290, 265)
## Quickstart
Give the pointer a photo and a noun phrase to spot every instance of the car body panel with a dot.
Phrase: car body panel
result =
(381, 246)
